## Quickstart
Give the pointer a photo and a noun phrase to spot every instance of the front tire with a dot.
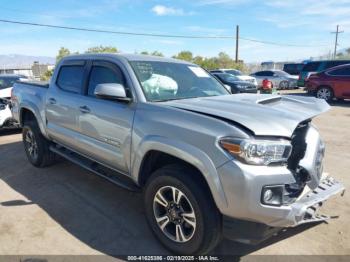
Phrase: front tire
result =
(325, 93)
(36, 146)
(180, 211)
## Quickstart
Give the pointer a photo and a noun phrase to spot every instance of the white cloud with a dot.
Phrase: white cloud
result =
(162, 10)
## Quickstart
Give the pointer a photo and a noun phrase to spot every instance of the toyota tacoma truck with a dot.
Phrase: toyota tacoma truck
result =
(209, 163)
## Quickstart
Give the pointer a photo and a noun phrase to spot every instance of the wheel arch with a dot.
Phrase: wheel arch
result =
(159, 152)
(27, 113)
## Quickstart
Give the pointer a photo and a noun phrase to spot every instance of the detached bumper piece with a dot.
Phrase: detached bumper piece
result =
(305, 209)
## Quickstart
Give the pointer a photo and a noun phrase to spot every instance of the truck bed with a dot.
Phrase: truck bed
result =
(43, 84)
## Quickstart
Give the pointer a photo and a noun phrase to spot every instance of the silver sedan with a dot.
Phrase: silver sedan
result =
(279, 78)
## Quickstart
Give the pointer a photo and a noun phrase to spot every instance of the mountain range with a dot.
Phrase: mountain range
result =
(16, 60)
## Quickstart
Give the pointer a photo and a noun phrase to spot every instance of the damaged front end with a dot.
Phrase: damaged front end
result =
(312, 188)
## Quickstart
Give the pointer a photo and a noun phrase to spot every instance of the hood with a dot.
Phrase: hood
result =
(264, 115)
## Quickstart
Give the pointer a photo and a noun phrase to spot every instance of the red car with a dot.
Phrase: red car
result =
(331, 83)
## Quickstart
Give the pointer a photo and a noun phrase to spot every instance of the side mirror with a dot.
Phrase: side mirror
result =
(111, 91)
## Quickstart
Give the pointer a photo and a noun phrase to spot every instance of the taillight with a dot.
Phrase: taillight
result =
(299, 77)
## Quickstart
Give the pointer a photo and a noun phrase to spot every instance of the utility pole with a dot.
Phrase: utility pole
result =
(237, 40)
(336, 40)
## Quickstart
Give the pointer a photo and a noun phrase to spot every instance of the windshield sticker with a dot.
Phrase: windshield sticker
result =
(199, 72)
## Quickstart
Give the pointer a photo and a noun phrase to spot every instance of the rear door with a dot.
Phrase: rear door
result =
(62, 99)
(105, 125)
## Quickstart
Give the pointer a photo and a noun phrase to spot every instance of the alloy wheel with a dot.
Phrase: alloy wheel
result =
(174, 214)
(324, 93)
(31, 144)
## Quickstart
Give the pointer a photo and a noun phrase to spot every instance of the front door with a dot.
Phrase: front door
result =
(105, 126)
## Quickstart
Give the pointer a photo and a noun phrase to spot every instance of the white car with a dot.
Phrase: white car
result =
(6, 118)
(237, 74)
(6, 83)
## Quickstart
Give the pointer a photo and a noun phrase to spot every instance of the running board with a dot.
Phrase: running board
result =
(98, 169)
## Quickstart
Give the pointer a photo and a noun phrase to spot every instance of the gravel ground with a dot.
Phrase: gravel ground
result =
(65, 210)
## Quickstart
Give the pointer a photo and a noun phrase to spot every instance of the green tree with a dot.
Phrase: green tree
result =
(102, 49)
(62, 53)
(154, 53)
(184, 55)
(157, 53)
(47, 75)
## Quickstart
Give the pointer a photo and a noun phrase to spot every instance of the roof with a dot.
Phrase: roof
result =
(337, 67)
(129, 57)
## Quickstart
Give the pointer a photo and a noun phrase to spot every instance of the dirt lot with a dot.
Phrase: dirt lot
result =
(66, 210)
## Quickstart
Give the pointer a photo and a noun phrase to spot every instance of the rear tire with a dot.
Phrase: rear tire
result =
(284, 85)
(201, 231)
(325, 93)
(36, 145)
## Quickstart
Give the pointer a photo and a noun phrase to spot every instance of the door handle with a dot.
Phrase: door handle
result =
(84, 109)
(52, 101)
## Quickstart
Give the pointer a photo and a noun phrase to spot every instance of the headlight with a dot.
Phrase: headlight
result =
(258, 152)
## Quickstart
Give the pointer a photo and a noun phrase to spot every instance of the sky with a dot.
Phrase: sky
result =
(306, 23)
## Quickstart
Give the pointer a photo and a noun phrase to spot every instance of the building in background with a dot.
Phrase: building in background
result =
(18, 70)
(35, 71)
(40, 69)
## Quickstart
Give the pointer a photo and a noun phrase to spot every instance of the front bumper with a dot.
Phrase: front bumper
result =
(243, 184)
(304, 210)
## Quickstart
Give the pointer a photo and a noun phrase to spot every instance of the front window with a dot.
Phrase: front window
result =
(162, 81)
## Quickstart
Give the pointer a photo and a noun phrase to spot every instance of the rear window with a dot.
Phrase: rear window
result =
(70, 78)
(312, 66)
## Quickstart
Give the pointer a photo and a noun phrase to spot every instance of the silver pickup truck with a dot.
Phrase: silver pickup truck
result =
(209, 163)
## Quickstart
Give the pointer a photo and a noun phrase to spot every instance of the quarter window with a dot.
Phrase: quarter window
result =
(70, 78)
(103, 75)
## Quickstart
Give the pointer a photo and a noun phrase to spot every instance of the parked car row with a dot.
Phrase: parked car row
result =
(314, 67)
(330, 83)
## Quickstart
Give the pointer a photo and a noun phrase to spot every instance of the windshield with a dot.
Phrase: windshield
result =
(162, 81)
(234, 72)
(228, 77)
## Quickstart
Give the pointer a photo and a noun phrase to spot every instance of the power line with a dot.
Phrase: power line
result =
(149, 34)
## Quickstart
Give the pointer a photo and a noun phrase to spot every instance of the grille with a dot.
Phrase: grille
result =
(299, 146)
(298, 152)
